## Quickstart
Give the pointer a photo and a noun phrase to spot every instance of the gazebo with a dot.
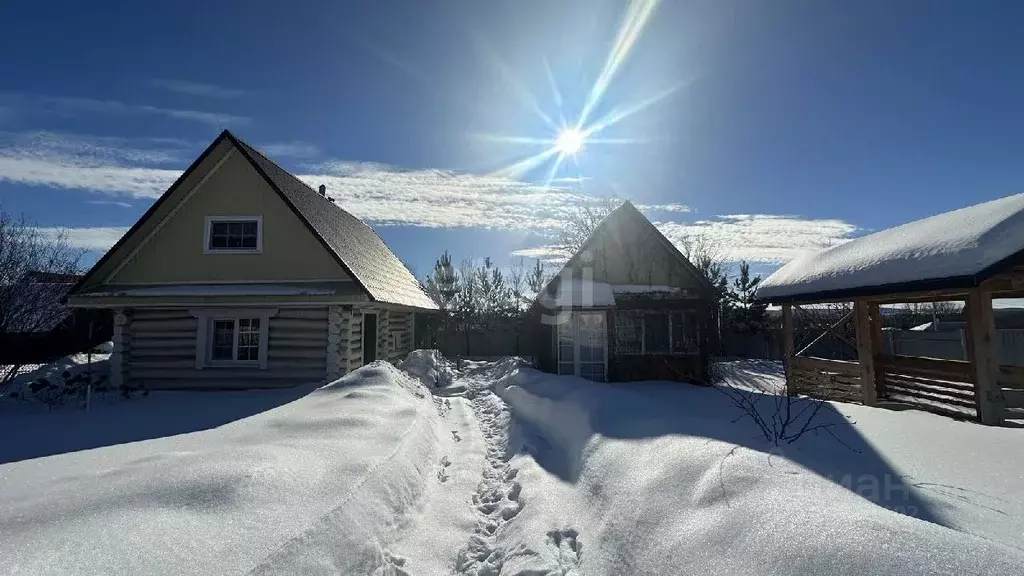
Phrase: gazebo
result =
(971, 255)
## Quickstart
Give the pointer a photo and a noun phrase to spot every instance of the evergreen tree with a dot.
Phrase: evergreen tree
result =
(442, 283)
(536, 279)
(748, 314)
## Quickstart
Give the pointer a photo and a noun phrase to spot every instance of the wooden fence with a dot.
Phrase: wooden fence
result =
(941, 386)
(931, 384)
(826, 379)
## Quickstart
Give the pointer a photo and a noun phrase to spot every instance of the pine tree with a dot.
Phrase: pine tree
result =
(748, 314)
(536, 279)
(443, 283)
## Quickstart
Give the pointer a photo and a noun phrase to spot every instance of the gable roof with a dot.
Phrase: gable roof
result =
(354, 245)
(957, 249)
(627, 215)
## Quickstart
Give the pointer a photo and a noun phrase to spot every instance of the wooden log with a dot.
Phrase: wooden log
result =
(930, 387)
(877, 349)
(955, 369)
(788, 346)
(981, 332)
(1011, 376)
(837, 366)
(1014, 398)
(865, 353)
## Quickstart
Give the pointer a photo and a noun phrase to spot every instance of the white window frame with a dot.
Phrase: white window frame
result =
(211, 220)
(204, 335)
(576, 345)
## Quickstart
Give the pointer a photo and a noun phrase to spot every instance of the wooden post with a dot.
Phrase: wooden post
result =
(789, 346)
(865, 353)
(981, 353)
(877, 350)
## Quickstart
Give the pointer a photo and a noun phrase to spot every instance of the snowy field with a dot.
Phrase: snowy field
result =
(501, 470)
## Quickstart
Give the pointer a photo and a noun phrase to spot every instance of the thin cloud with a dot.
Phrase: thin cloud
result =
(762, 237)
(88, 150)
(196, 88)
(110, 203)
(444, 199)
(550, 254)
(299, 150)
(89, 238)
(70, 106)
(137, 182)
(386, 196)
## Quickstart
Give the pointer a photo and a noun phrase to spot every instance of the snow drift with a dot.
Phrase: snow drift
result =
(316, 486)
(652, 479)
(429, 367)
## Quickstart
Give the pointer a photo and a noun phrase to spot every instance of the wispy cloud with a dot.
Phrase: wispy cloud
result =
(196, 88)
(384, 195)
(300, 150)
(139, 182)
(68, 106)
(443, 199)
(88, 150)
(551, 254)
(762, 237)
(91, 238)
(110, 203)
(101, 164)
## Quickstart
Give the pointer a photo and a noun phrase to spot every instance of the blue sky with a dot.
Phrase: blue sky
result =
(768, 127)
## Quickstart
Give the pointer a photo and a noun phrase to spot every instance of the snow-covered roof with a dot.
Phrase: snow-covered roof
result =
(951, 250)
(579, 293)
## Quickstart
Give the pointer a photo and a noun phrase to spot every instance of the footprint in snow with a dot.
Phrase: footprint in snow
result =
(391, 566)
(570, 549)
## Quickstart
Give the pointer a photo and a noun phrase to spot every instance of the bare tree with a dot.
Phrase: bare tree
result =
(583, 220)
(35, 269)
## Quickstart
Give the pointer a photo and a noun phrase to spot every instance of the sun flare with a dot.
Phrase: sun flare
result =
(569, 141)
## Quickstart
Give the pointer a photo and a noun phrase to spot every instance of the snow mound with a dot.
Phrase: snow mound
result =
(319, 485)
(960, 243)
(652, 479)
(429, 367)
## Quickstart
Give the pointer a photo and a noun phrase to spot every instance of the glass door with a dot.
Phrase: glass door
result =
(582, 346)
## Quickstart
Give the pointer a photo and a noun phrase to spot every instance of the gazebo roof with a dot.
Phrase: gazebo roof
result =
(957, 249)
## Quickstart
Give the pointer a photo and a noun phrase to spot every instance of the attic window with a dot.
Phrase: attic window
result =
(234, 234)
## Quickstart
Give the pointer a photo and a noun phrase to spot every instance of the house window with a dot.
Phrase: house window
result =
(235, 340)
(234, 234)
(642, 332)
(684, 333)
(629, 333)
(656, 333)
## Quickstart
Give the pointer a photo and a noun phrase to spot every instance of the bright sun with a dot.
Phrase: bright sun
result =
(569, 141)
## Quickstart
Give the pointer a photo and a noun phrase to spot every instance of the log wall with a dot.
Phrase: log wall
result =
(163, 352)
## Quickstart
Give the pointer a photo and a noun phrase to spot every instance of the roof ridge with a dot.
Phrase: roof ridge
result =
(307, 186)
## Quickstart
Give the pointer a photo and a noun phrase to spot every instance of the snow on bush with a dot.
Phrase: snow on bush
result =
(651, 478)
(314, 486)
(429, 367)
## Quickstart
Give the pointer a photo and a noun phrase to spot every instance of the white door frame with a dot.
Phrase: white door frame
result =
(574, 324)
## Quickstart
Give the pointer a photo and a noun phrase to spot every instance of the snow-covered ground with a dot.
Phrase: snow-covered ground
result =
(505, 471)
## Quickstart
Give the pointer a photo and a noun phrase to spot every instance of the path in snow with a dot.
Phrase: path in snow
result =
(497, 498)
(440, 527)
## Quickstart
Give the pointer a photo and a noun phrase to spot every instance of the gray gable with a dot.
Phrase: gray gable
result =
(358, 248)
(623, 226)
